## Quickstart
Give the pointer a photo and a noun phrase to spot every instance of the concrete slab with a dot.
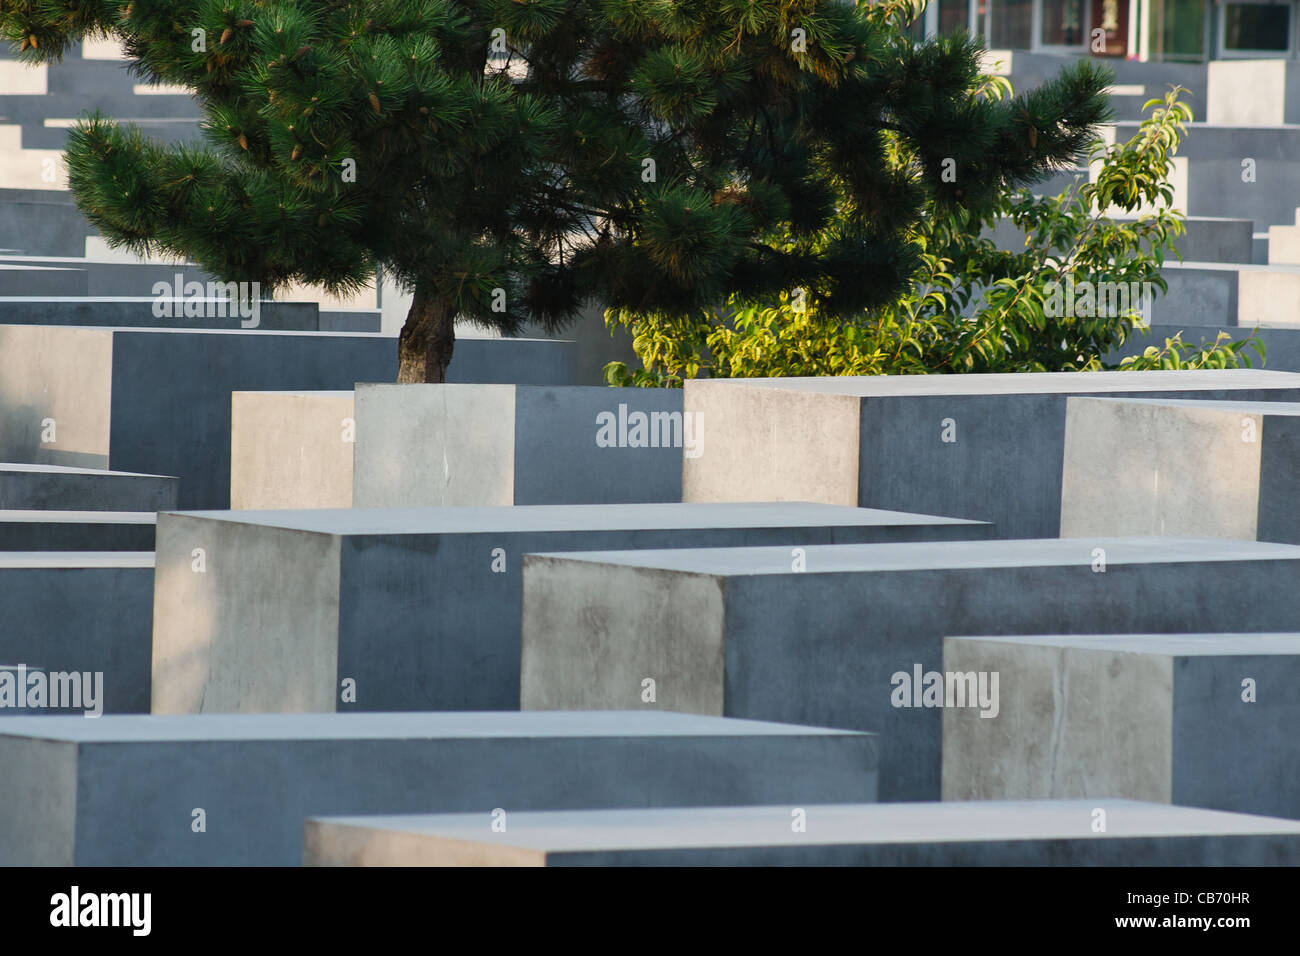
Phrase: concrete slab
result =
(1205, 720)
(976, 446)
(81, 612)
(412, 609)
(31, 487)
(291, 450)
(77, 530)
(128, 791)
(1010, 833)
(142, 312)
(1170, 467)
(158, 400)
(842, 636)
(431, 445)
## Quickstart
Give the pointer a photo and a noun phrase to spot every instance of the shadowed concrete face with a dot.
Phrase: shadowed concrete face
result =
(822, 637)
(126, 791)
(28, 487)
(418, 608)
(1026, 833)
(83, 612)
(1199, 719)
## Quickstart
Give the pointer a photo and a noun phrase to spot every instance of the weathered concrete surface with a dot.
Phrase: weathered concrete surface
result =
(158, 400)
(84, 612)
(1010, 833)
(419, 608)
(76, 530)
(25, 487)
(291, 450)
(1164, 467)
(122, 791)
(987, 447)
(1205, 720)
(430, 445)
(743, 632)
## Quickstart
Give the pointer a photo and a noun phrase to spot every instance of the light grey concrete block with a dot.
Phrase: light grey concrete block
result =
(123, 791)
(1169, 467)
(987, 447)
(418, 608)
(1252, 93)
(1204, 720)
(76, 530)
(1009, 833)
(843, 636)
(429, 445)
(159, 400)
(291, 450)
(84, 612)
(25, 487)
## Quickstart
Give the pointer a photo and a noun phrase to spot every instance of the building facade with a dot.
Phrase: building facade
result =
(1172, 30)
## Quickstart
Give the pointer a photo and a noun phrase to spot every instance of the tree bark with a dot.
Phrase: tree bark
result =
(427, 341)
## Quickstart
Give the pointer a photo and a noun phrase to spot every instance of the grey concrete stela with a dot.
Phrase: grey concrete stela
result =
(879, 441)
(1180, 467)
(1201, 720)
(77, 530)
(139, 312)
(85, 612)
(739, 632)
(167, 391)
(431, 445)
(26, 487)
(419, 607)
(1008, 833)
(122, 791)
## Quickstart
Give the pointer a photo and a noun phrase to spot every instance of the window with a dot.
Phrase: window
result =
(1010, 24)
(1257, 26)
(1180, 33)
(1062, 23)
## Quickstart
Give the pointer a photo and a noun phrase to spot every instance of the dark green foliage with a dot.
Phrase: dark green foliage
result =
(503, 145)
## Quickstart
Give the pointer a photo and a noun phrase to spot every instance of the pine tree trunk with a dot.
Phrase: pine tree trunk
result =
(428, 338)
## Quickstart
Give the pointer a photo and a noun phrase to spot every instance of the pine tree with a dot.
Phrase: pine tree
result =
(509, 160)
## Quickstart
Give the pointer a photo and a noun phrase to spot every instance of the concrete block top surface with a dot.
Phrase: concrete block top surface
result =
(321, 393)
(875, 823)
(1227, 267)
(66, 470)
(75, 559)
(155, 330)
(616, 517)
(1249, 408)
(939, 555)
(78, 517)
(1164, 645)
(445, 725)
(1021, 383)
